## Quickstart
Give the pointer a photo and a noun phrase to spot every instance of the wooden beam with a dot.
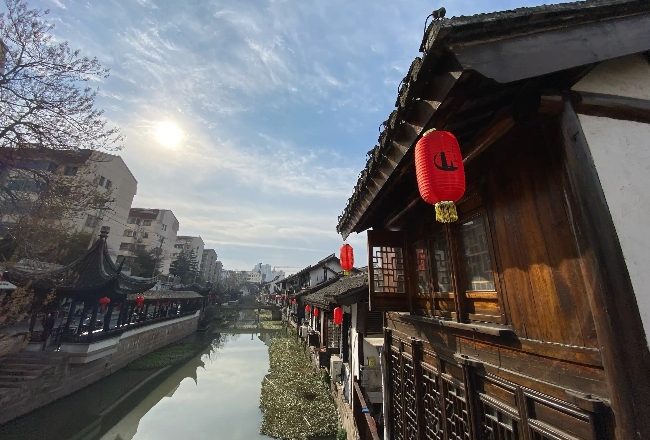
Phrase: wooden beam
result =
(494, 133)
(611, 106)
(621, 337)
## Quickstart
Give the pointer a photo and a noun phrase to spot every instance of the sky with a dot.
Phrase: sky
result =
(251, 120)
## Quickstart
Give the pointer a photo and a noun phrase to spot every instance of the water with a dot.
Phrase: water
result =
(214, 395)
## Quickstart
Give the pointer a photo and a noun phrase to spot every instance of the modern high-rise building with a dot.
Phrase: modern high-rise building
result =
(148, 229)
(103, 172)
(210, 270)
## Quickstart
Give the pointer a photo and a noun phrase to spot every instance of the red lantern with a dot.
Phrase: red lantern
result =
(440, 173)
(157, 303)
(338, 316)
(104, 301)
(316, 312)
(346, 255)
(140, 301)
(307, 308)
(119, 307)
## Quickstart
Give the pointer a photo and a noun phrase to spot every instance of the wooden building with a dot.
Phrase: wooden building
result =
(526, 318)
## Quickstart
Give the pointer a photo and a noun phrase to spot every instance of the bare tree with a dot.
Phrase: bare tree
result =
(47, 119)
(41, 103)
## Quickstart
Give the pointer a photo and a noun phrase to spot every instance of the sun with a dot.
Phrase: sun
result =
(168, 134)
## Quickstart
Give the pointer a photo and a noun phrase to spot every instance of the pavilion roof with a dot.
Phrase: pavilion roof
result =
(165, 295)
(93, 273)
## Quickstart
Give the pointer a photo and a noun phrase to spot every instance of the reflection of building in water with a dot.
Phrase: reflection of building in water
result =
(127, 427)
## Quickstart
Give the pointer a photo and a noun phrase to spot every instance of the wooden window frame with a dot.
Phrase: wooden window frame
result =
(458, 270)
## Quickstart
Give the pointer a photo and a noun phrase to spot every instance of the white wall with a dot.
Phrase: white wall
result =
(621, 154)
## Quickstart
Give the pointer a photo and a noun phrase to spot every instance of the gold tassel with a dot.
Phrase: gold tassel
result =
(346, 273)
(446, 212)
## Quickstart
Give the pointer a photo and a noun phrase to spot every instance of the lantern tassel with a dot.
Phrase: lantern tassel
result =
(446, 212)
(346, 273)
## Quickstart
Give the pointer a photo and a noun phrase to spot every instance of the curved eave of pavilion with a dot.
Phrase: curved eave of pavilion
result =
(92, 274)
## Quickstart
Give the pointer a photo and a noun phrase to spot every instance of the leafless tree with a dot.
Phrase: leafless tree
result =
(46, 112)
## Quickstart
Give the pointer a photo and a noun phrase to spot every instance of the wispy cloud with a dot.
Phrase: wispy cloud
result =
(279, 101)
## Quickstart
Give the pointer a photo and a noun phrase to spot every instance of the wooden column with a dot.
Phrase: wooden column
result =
(82, 318)
(621, 337)
(68, 320)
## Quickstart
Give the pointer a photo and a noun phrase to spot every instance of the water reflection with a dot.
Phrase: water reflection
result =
(214, 395)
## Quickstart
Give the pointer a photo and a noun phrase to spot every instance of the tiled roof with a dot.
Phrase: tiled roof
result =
(165, 295)
(440, 39)
(343, 285)
(93, 273)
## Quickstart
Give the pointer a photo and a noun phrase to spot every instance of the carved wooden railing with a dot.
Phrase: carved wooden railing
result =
(362, 418)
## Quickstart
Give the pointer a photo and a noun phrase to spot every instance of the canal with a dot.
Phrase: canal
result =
(213, 395)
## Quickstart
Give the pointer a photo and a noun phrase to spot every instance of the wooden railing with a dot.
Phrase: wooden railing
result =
(362, 418)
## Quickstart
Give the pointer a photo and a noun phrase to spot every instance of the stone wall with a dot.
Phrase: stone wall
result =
(12, 342)
(61, 377)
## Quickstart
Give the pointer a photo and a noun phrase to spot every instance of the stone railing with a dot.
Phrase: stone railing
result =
(87, 338)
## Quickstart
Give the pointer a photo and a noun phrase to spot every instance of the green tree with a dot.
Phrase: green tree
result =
(185, 267)
(145, 262)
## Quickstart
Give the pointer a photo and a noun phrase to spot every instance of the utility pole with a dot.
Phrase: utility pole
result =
(97, 223)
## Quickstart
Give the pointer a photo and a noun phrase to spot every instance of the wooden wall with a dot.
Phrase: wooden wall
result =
(537, 259)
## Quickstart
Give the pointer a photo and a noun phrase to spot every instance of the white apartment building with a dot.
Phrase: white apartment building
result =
(210, 270)
(107, 171)
(186, 243)
(147, 229)
(253, 277)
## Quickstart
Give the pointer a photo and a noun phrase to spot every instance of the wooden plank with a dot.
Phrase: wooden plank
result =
(493, 390)
(616, 314)
(494, 133)
(563, 421)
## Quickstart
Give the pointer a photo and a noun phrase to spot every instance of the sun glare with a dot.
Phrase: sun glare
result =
(168, 134)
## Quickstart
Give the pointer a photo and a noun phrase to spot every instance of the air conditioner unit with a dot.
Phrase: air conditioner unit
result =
(370, 378)
(303, 331)
(336, 365)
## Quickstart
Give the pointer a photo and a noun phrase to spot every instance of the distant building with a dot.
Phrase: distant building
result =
(107, 171)
(210, 266)
(148, 229)
(3, 56)
(187, 244)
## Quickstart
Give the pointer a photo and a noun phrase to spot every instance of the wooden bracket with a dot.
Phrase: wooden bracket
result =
(463, 359)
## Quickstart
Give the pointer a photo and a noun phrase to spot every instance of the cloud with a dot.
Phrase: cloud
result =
(278, 100)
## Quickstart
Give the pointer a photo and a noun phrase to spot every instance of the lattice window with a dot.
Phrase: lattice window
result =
(410, 401)
(433, 429)
(497, 424)
(397, 425)
(456, 411)
(388, 264)
(333, 334)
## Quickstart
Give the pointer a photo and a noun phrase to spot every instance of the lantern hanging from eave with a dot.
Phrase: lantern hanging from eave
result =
(104, 301)
(440, 173)
(307, 308)
(316, 312)
(346, 255)
(140, 301)
(338, 316)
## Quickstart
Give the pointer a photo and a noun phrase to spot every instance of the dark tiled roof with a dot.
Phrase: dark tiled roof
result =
(342, 286)
(438, 40)
(165, 295)
(94, 273)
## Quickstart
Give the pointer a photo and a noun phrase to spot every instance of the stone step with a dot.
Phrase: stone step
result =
(20, 366)
(5, 371)
(6, 385)
(10, 378)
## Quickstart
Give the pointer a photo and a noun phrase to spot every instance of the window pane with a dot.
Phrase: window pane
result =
(478, 266)
(443, 263)
(423, 266)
